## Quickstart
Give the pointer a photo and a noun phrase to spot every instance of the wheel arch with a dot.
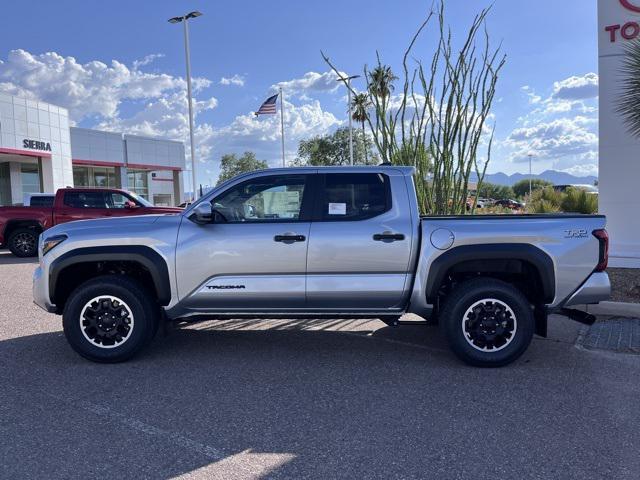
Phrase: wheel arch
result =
(17, 223)
(89, 259)
(493, 258)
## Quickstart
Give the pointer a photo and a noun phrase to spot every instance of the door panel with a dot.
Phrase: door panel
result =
(242, 255)
(346, 267)
(344, 291)
(254, 261)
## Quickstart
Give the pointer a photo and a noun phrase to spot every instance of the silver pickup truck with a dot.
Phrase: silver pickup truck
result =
(315, 242)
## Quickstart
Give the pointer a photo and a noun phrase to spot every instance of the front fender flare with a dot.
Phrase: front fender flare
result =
(146, 256)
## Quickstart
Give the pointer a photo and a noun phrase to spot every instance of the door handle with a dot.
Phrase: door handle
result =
(388, 237)
(289, 238)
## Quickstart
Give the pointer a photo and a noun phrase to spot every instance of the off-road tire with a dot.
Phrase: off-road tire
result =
(500, 305)
(130, 297)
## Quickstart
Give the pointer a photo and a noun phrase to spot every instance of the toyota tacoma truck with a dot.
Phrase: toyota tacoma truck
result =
(321, 242)
(20, 226)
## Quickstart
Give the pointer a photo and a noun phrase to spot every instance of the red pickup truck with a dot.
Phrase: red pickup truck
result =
(20, 226)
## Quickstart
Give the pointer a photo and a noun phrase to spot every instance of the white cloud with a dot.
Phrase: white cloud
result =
(94, 92)
(92, 89)
(262, 134)
(237, 80)
(533, 98)
(310, 82)
(576, 88)
(147, 60)
(581, 170)
(561, 130)
(566, 137)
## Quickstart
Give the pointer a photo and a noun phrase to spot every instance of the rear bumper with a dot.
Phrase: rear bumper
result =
(596, 289)
(41, 291)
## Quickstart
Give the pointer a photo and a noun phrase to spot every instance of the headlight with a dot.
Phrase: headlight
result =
(51, 242)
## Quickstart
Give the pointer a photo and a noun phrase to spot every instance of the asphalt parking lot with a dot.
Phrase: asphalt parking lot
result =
(317, 399)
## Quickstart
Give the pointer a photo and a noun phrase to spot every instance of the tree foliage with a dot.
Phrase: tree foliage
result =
(232, 165)
(521, 188)
(360, 113)
(333, 149)
(438, 123)
(495, 192)
(627, 104)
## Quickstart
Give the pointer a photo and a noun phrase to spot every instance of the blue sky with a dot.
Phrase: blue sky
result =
(120, 65)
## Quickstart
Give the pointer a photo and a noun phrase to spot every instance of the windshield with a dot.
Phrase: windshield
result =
(141, 200)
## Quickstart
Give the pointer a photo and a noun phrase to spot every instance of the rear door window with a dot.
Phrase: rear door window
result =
(354, 196)
(85, 199)
(41, 201)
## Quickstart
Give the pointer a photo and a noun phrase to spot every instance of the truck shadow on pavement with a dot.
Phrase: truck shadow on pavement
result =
(230, 401)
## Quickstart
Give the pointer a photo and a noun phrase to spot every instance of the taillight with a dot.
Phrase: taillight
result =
(603, 258)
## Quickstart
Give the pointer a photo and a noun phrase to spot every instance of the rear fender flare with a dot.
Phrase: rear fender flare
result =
(499, 251)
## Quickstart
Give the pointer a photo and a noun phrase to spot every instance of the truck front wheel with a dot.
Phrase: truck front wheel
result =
(109, 319)
(23, 242)
(487, 322)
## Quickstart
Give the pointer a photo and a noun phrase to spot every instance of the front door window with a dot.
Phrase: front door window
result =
(277, 198)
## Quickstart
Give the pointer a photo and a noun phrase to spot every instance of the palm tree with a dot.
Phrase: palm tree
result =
(359, 106)
(381, 81)
(629, 101)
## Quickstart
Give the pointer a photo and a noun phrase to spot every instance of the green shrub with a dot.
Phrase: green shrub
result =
(577, 200)
(495, 210)
(544, 200)
(521, 188)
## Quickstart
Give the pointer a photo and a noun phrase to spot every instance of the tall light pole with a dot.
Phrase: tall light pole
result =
(347, 82)
(530, 175)
(282, 124)
(185, 20)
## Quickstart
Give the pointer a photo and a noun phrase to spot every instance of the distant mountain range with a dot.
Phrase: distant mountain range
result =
(553, 176)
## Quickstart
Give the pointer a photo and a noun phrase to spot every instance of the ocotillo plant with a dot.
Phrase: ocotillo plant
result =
(439, 122)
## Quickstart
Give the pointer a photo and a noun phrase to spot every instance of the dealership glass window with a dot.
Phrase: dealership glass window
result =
(139, 182)
(101, 177)
(30, 176)
(81, 176)
(162, 200)
(5, 184)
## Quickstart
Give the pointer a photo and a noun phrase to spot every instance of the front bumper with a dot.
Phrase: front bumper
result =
(596, 289)
(41, 291)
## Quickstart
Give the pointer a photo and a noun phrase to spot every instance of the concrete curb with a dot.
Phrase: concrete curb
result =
(611, 308)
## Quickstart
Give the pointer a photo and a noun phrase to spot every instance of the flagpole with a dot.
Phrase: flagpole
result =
(282, 124)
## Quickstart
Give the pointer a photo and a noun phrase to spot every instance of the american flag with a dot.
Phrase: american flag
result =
(268, 107)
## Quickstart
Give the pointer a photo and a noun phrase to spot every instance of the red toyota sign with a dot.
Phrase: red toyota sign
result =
(628, 4)
(629, 30)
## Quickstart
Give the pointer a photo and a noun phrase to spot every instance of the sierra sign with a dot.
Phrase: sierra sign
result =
(629, 30)
(36, 145)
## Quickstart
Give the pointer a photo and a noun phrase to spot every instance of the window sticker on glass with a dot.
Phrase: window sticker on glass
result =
(337, 209)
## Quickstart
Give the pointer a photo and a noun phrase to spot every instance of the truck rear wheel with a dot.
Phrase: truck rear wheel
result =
(109, 319)
(487, 322)
(23, 242)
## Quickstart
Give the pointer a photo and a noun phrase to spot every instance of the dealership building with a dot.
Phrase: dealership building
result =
(40, 152)
(619, 156)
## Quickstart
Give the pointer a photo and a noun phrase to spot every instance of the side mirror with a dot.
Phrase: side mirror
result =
(202, 213)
